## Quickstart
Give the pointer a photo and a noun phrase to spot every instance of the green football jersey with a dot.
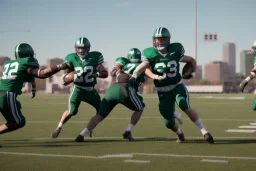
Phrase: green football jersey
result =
(15, 74)
(129, 67)
(85, 68)
(167, 65)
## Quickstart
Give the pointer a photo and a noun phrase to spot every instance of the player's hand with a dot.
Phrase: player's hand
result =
(159, 77)
(33, 93)
(188, 75)
(242, 85)
(131, 82)
(122, 77)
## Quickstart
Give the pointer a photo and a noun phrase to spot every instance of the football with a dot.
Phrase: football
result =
(187, 68)
(68, 78)
(118, 66)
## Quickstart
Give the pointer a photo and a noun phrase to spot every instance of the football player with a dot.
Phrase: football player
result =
(251, 75)
(24, 68)
(164, 58)
(118, 94)
(87, 66)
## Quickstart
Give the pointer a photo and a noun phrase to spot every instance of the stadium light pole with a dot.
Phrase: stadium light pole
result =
(195, 11)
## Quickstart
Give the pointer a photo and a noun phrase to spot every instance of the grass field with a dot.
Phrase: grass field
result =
(155, 147)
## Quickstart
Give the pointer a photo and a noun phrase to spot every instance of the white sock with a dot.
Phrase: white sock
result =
(84, 132)
(60, 125)
(176, 114)
(200, 125)
(129, 128)
(204, 131)
(178, 132)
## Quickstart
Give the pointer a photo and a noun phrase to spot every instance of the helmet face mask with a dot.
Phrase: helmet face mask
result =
(82, 47)
(24, 50)
(134, 55)
(82, 51)
(161, 38)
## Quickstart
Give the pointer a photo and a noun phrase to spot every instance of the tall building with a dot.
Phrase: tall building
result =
(246, 62)
(218, 71)
(229, 55)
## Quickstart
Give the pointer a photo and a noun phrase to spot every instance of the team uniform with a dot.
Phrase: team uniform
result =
(254, 62)
(171, 89)
(84, 80)
(117, 93)
(11, 83)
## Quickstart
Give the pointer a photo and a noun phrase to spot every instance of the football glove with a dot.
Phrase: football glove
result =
(242, 85)
(33, 93)
(131, 82)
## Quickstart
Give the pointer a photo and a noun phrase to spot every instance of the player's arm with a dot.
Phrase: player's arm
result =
(141, 68)
(153, 76)
(190, 60)
(47, 72)
(247, 79)
(102, 72)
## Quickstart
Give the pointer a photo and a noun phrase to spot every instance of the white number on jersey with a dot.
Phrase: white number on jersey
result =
(87, 77)
(131, 67)
(172, 71)
(10, 70)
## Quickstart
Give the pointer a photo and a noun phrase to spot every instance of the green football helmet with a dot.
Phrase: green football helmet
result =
(165, 38)
(134, 55)
(82, 47)
(24, 50)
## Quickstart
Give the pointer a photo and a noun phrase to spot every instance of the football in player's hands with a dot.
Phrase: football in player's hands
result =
(118, 66)
(186, 71)
(68, 78)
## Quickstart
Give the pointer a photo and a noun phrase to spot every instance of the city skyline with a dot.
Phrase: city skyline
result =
(113, 27)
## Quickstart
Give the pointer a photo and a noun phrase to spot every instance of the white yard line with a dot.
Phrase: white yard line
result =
(70, 156)
(213, 161)
(129, 155)
(241, 130)
(247, 126)
(136, 161)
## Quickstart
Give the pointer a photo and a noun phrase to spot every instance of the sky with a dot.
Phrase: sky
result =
(113, 27)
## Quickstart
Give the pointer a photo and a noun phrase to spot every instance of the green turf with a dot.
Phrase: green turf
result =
(31, 148)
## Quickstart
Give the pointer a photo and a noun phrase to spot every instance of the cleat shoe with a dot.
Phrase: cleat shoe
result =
(128, 135)
(56, 133)
(208, 137)
(181, 138)
(79, 138)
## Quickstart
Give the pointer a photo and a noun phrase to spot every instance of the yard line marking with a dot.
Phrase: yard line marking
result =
(247, 126)
(194, 156)
(98, 138)
(137, 161)
(241, 130)
(71, 156)
(252, 123)
(129, 155)
(214, 161)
